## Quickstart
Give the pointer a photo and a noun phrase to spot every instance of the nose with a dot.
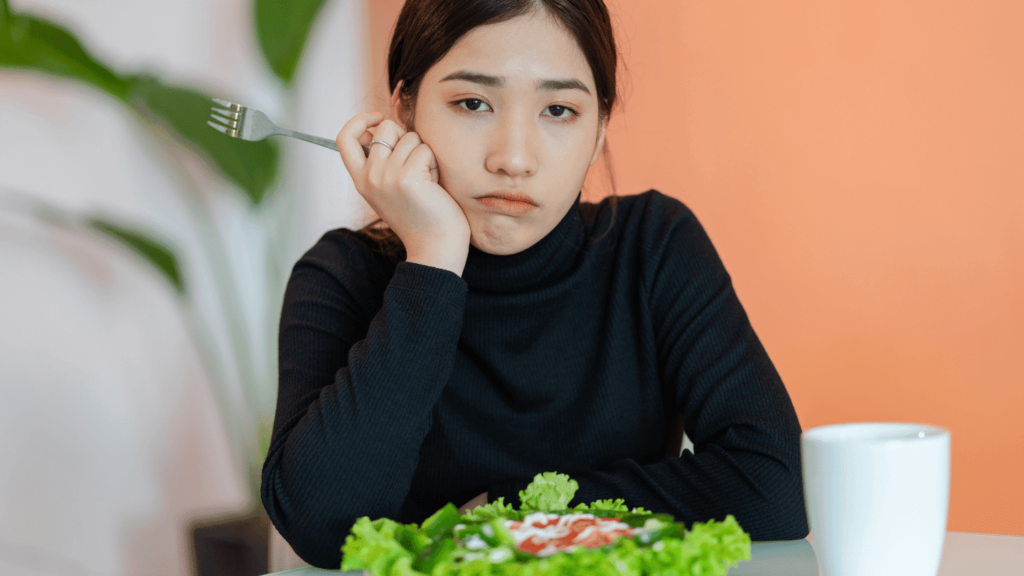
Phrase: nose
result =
(513, 145)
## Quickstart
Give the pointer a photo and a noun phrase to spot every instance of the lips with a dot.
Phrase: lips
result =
(507, 203)
(510, 196)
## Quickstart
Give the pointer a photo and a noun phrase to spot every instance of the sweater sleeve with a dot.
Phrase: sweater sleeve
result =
(736, 411)
(354, 398)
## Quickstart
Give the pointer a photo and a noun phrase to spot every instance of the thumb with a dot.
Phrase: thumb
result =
(435, 173)
(422, 161)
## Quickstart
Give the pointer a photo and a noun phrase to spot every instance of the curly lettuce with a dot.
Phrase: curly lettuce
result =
(492, 510)
(659, 546)
(548, 491)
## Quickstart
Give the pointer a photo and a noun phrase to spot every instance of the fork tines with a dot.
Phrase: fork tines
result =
(228, 117)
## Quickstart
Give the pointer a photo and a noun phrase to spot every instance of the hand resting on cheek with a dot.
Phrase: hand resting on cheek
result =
(401, 185)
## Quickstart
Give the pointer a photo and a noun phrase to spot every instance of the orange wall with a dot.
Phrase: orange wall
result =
(860, 167)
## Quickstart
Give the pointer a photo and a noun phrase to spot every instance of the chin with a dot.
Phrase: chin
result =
(498, 246)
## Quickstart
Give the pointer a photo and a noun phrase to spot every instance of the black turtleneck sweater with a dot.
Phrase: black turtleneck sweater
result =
(404, 387)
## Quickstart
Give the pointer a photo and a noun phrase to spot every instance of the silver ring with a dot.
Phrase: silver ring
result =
(382, 142)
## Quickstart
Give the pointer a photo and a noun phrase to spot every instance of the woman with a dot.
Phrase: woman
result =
(499, 327)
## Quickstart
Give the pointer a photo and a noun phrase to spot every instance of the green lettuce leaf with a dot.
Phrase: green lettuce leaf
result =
(548, 491)
(440, 523)
(709, 549)
(492, 510)
(372, 546)
(616, 505)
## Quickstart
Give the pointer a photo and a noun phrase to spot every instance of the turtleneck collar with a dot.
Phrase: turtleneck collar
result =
(546, 261)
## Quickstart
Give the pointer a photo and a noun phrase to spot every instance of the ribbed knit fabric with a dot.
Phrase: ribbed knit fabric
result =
(404, 387)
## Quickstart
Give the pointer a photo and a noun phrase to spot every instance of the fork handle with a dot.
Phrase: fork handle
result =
(314, 139)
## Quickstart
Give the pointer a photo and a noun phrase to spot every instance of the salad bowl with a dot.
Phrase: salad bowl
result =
(543, 537)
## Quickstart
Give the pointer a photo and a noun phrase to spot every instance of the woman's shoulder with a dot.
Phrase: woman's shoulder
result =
(660, 234)
(354, 255)
(646, 217)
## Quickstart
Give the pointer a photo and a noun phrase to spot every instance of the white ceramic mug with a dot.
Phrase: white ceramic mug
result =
(877, 495)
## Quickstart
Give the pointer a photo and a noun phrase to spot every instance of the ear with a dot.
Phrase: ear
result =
(600, 142)
(397, 112)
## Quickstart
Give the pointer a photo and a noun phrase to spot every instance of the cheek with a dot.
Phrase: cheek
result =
(454, 160)
(576, 163)
(448, 171)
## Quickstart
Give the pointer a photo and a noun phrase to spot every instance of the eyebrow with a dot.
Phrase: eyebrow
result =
(499, 81)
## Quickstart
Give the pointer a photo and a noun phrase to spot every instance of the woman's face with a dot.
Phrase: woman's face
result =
(511, 108)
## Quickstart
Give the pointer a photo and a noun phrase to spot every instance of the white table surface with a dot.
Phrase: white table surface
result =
(963, 554)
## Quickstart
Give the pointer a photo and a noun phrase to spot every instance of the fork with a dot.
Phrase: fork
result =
(250, 124)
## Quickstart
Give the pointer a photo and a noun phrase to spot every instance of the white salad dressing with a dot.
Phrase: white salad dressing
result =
(545, 534)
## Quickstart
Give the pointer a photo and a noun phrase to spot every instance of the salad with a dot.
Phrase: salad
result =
(544, 537)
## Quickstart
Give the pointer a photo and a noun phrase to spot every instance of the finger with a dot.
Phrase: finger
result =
(422, 161)
(388, 132)
(348, 140)
(406, 144)
(379, 154)
(366, 139)
(422, 158)
(401, 131)
(389, 124)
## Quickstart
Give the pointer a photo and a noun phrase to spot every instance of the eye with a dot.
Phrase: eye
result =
(558, 112)
(472, 104)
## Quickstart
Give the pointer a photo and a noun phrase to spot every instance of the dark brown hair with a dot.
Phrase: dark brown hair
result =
(427, 29)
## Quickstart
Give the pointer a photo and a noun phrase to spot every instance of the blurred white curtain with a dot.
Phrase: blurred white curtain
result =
(110, 437)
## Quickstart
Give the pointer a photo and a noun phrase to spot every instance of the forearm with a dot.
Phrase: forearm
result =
(350, 448)
(765, 494)
(764, 491)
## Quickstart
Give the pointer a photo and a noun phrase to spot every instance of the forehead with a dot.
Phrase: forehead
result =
(522, 49)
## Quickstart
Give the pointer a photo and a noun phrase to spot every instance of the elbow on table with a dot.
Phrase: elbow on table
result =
(784, 515)
(788, 524)
(319, 546)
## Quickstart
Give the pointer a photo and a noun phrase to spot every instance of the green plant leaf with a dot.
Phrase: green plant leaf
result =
(282, 27)
(161, 257)
(28, 42)
(251, 165)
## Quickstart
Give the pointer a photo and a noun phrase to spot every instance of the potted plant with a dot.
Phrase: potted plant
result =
(244, 375)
